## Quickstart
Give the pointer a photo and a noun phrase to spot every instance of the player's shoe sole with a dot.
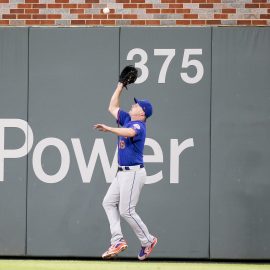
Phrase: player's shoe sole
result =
(114, 250)
(146, 251)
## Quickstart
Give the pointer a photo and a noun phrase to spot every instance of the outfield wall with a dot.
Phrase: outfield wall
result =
(207, 151)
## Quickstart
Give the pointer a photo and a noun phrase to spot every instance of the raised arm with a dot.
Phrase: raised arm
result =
(115, 100)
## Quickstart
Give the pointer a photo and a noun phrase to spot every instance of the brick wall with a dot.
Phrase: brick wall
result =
(134, 12)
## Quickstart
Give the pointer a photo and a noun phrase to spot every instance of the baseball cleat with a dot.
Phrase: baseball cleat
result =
(146, 251)
(115, 249)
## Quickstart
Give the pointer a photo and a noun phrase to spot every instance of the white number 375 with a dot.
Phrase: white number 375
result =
(169, 53)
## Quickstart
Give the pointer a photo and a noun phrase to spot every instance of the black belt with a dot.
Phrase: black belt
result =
(128, 168)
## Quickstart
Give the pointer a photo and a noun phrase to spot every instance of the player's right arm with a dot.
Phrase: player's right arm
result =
(114, 105)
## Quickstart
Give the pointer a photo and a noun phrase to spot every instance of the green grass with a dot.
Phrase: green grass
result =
(122, 265)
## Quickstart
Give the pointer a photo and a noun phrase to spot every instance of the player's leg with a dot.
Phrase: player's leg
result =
(131, 184)
(110, 204)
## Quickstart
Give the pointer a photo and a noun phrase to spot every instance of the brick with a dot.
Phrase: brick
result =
(168, 16)
(92, 22)
(220, 16)
(237, 5)
(198, 1)
(32, 11)
(4, 22)
(137, 1)
(77, 11)
(259, 22)
(108, 22)
(182, 22)
(24, 16)
(122, 1)
(153, 10)
(265, 16)
(54, 5)
(62, 22)
(4, 1)
(198, 22)
(259, 1)
(4, 7)
(248, 5)
(228, 10)
(167, 22)
(32, 22)
(213, 22)
(47, 22)
(184, 10)
(85, 16)
(183, 1)
(137, 11)
(244, 22)
(145, 5)
(99, 16)
(250, 16)
(130, 6)
(115, 16)
(206, 6)
(100, 5)
(130, 16)
(175, 5)
(46, 1)
(112, 11)
(16, 22)
(203, 11)
(161, 6)
(31, 1)
(228, 22)
(268, 10)
(9, 16)
(54, 16)
(214, 1)
(146, 16)
(123, 22)
(152, 22)
(190, 16)
(84, 5)
(69, 5)
(39, 16)
(191, 5)
(137, 22)
(77, 22)
(61, 1)
(16, 11)
(167, 1)
(39, 5)
(206, 16)
(67, 16)
(24, 5)
(167, 10)
(265, 5)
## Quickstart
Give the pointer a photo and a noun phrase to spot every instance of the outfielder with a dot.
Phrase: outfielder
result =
(123, 193)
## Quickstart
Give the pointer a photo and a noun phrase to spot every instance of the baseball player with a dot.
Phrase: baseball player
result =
(123, 193)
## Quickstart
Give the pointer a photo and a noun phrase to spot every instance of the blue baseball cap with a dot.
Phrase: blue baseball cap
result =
(146, 106)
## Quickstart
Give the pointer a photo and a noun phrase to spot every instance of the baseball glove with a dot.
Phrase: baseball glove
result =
(128, 75)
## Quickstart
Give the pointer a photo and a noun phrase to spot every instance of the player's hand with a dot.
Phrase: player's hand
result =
(102, 127)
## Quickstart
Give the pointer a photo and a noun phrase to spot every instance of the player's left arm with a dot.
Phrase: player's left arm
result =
(125, 132)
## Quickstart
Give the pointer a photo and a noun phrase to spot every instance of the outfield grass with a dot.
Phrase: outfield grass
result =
(122, 265)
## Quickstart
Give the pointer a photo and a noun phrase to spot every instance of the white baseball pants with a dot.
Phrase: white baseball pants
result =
(121, 199)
